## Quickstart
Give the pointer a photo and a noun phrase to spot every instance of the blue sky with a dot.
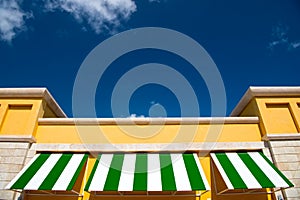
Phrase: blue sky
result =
(253, 43)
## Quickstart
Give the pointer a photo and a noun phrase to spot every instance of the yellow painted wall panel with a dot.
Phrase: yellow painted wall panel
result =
(91, 134)
(19, 116)
(277, 115)
(16, 119)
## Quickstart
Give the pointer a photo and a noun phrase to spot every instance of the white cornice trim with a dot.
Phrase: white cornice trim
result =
(264, 92)
(17, 138)
(148, 121)
(33, 93)
(153, 147)
(281, 136)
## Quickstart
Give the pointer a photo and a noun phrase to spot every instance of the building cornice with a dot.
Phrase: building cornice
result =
(17, 138)
(148, 121)
(281, 137)
(264, 92)
(42, 93)
(152, 147)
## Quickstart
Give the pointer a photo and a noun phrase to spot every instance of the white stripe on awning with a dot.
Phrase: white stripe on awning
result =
(250, 170)
(101, 172)
(180, 173)
(49, 172)
(66, 177)
(9, 186)
(42, 173)
(243, 171)
(268, 170)
(147, 172)
(154, 180)
(127, 174)
(222, 172)
(201, 171)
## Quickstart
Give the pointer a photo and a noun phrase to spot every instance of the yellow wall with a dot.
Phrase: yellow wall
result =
(147, 134)
(277, 114)
(19, 117)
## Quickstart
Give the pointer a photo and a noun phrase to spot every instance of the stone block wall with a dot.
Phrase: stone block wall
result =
(12, 160)
(286, 155)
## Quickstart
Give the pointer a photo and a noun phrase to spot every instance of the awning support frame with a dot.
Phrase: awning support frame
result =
(143, 195)
(54, 193)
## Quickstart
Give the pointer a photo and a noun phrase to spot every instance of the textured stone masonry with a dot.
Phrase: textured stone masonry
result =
(287, 157)
(12, 157)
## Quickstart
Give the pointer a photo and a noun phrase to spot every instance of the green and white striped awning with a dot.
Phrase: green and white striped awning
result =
(54, 171)
(147, 172)
(251, 170)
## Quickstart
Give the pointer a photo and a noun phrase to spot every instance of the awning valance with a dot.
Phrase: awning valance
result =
(250, 170)
(55, 171)
(147, 172)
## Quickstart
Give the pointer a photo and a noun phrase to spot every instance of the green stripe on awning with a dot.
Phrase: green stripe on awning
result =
(88, 183)
(29, 173)
(114, 173)
(256, 171)
(155, 172)
(140, 175)
(167, 174)
(230, 170)
(77, 172)
(249, 170)
(55, 172)
(194, 175)
(277, 170)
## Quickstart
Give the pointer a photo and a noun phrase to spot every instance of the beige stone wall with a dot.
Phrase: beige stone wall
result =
(12, 159)
(287, 158)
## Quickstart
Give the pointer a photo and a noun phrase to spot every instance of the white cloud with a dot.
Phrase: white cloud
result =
(152, 102)
(11, 19)
(294, 45)
(101, 15)
(280, 37)
(136, 116)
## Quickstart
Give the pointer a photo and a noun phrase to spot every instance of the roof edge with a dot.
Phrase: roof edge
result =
(254, 91)
(33, 93)
(148, 121)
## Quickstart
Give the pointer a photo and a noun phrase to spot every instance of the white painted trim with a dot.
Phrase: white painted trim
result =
(152, 147)
(264, 92)
(33, 93)
(17, 138)
(148, 121)
(281, 136)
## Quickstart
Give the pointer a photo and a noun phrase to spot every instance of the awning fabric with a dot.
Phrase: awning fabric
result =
(147, 172)
(250, 170)
(54, 171)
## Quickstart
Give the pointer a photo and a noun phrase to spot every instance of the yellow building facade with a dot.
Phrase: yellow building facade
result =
(253, 154)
